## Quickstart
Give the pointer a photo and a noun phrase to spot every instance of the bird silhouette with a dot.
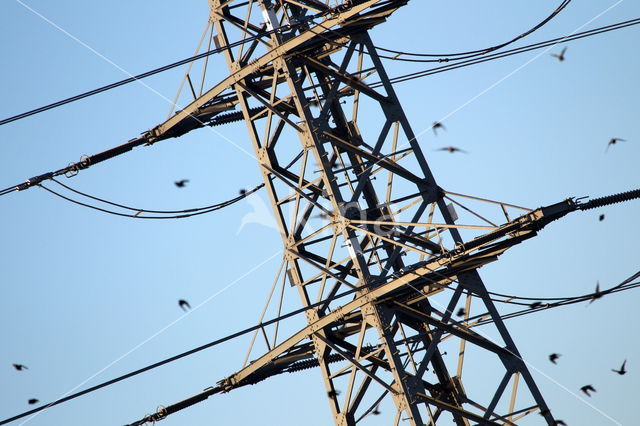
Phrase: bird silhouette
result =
(243, 191)
(587, 388)
(20, 367)
(601, 218)
(33, 401)
(333, 393)
(376, 411)
(181, 183)
(613, 141)
(535, 305)
(553, 357)
(437, 125)
(184, 305)
(452, 149)
(560, 57)
(597, 294)
(461, 312)
(622, 371)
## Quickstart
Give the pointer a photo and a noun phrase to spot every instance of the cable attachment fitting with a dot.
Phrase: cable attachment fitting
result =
(34, 181)
(71, 170)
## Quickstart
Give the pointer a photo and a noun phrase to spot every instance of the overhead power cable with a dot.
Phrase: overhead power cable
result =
(235, 44)
(515, 51)
(443, 57)
(159, 214)
(625, 285)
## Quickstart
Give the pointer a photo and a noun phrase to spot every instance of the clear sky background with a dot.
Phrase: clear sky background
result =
(82, 289)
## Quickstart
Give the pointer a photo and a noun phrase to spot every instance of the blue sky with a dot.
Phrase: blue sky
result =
(81, 289)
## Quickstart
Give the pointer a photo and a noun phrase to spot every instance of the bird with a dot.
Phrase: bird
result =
(375, 411)
(461, 312)
(452, 149)
(437, 125)
(601, 218)
(181, 183)
(242, 191)
(333, 393)
(33, 401)
(560, 57)
(184, 305)
(553, 357)
(535, 305)
(613, 141)
(622, 371)
(20, 367)
(587, 388)
(597, 294)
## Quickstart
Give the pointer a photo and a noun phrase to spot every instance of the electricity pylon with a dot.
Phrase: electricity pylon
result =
(371, 243)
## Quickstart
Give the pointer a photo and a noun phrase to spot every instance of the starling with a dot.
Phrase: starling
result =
(461, 312)
(452, 149)
(333, 393)
(184, 305)
(560, 57)
(181, 183)
(597, 294)
(613, 141)
(587, 388)
(437, 125)
(243, 191)
(553, 357)
(601, 218)
(622, 371)
(33, 401)
(20, 367)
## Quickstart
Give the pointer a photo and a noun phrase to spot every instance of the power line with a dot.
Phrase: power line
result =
(168, 213)
(473, 53)
(625, 285)
(515, 51)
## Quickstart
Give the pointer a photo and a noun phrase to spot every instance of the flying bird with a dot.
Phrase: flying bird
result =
(184, 305)
(33, 401)
(601, 218)
(333, 393)
(613, 141)
(20, 367)
(452, 149)
(587, 388)
(181, 183)
(461, 312)
(242, 191)
(560, 57)
(622, 371)
(597, 294)
(437, 125)
(553, 357)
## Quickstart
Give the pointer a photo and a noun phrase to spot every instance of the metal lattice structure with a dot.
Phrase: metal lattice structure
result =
(361, 214)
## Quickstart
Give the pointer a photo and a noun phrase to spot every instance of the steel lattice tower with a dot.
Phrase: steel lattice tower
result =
(333, 143)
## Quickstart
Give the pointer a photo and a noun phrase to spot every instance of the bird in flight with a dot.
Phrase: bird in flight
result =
(333, 393)
(437, 125)
(33, 401)
(243, 191)
(587, 388)
(184, 305)
(560, 57)
(553, 357)
(622, 371)
(613, 141)
(597, 294)
(20, 367)
(461, 312)
(452, 149)
(181, 183)
(601, 218)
